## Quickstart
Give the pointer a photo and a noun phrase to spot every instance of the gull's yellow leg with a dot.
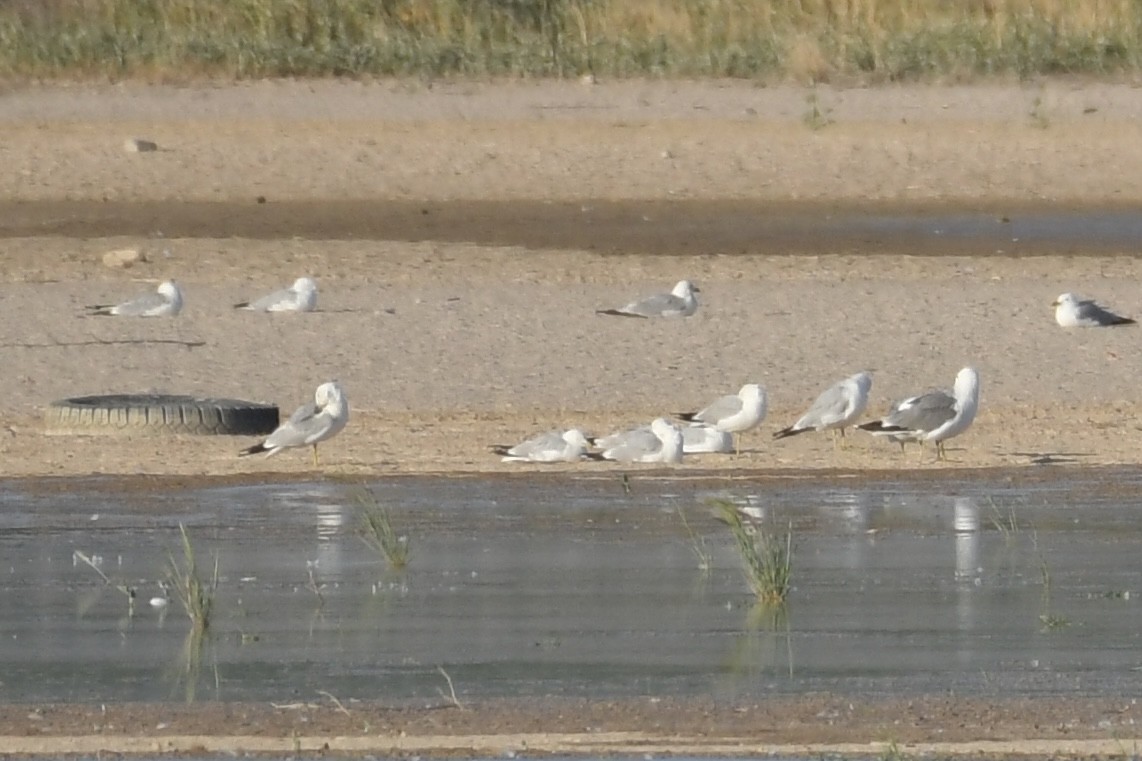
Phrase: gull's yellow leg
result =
(315, 455)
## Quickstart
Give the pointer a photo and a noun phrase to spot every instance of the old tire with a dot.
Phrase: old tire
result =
(161, 414)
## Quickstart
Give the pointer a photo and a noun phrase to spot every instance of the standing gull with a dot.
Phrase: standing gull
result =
(734, 413)
(166, 301)
(554, 446)
(935, 416)
(834, 409)
(680, 302)
(662, 443)
(299, 297)
(310, 424)
(1074, 312)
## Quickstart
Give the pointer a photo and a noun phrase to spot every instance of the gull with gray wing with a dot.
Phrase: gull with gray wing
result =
(310, 424)
(680, 302)
(661, 442)
(166, 301)
(553, 446)
(299, 297)
(935, 416)
(1074, 312)
(734, 413)
(836, 408)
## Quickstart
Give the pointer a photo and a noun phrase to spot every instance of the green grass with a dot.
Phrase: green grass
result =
(378, 532)
(195, 594)
(802, 40)
(767, 556)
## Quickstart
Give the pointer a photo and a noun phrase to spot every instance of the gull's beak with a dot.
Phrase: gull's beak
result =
(1055, 303)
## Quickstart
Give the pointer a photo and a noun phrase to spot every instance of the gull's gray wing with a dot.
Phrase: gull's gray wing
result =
(926, 412)
(829, 407)
(544, 442)
(275, 299)
(640, 434)
(1091, 313)
(659, 305)
(295, 432)
(630, 445)
(141, 305)
(726, 407)
(699, 439)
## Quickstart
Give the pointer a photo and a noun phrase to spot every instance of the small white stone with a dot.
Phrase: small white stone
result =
(122, 258)
(139, 145)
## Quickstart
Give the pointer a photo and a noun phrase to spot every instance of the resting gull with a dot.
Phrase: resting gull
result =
(553, 446)
(166, 301)
(1074, 312)
(299, 297)
(680, 302)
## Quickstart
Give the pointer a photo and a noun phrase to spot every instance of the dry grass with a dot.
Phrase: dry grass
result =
(803, 40)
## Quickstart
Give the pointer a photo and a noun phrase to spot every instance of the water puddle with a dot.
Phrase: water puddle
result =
(561, 585)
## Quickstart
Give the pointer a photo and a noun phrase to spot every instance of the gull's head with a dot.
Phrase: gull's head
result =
(863, 380)
(305, 285)
(685, 289)
(169, 288)
(661, 427)
(328, 393)
(1065, 299)
(751, 391)
(967, 382)
(576, 438)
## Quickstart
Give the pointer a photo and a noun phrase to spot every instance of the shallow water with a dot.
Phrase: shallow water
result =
(564, 585)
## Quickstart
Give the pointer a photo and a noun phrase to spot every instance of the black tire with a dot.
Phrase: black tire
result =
(160, 413)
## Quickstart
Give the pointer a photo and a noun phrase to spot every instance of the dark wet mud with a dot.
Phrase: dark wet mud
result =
(612, 227)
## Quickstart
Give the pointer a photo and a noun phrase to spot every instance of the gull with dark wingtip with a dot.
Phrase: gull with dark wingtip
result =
(165, 301)
(1074, 312)
(310, 424)
(935, 416)
(680, 302)
(835, 409)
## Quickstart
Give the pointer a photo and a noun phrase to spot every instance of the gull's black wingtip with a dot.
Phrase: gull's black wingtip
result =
(785, 433)
(256, 449)
(500, 449)
(619, 313)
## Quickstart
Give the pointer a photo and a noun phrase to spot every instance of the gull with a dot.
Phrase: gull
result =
(166, 301)
(697, 438)
(901, 437)
(680, 302)
(310, 424)
(1073, 312)
(299, 297)
(703, 438)
(661, 442)
(834, 409)
(553, 446)
(734, 413)
(935, 416)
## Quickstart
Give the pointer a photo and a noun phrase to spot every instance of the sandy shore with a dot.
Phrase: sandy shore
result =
(446, 347)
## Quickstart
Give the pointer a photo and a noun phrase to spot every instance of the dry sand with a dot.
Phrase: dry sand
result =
(446, 346)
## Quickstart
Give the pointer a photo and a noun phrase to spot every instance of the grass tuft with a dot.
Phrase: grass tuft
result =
(196, 595)
(377, 531)
(767, 557)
